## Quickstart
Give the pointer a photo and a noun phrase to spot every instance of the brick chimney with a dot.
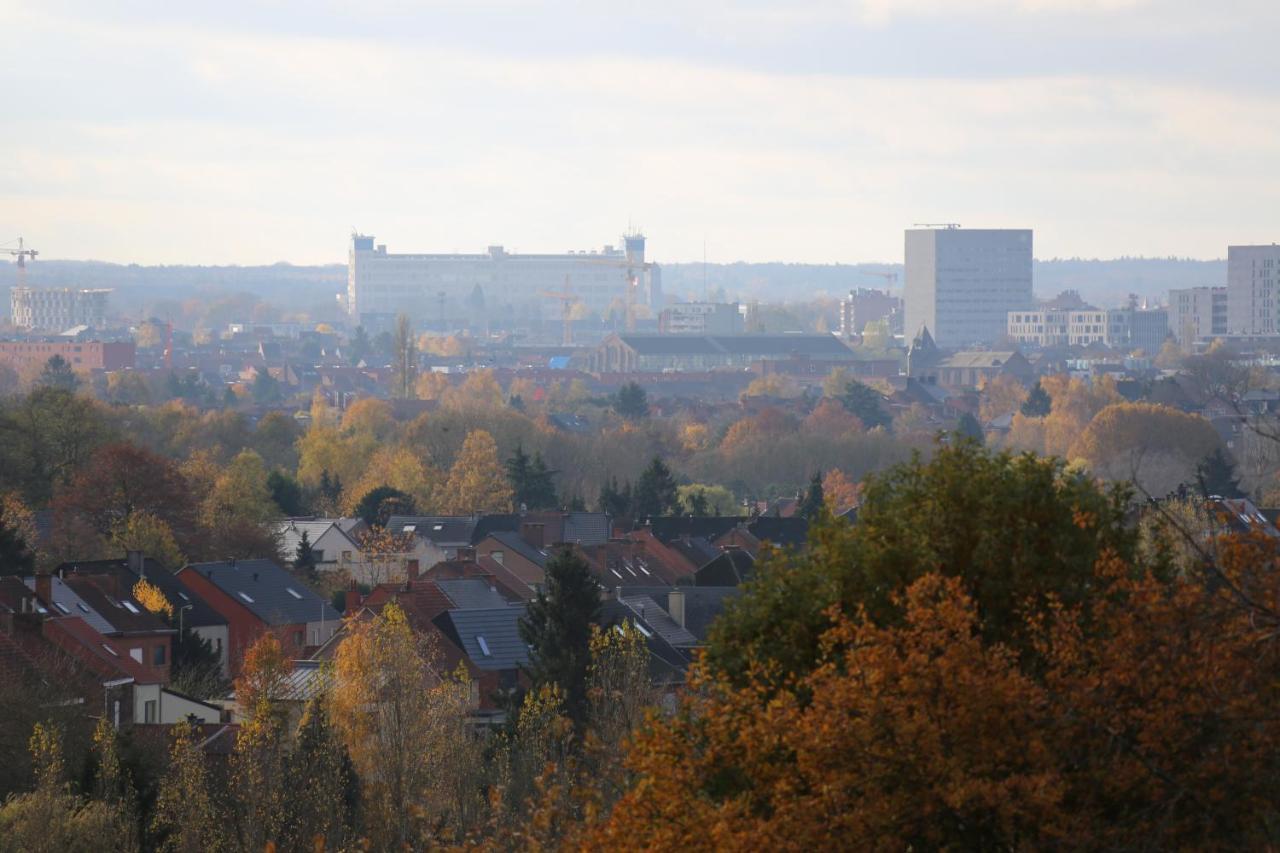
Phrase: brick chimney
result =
(137, 563)
(411, 570)
(675, 606)
(352, 601)
(466, 554)
(534, 533)
(44, 588)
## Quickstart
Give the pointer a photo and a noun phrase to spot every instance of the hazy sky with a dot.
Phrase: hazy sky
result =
(800, 131)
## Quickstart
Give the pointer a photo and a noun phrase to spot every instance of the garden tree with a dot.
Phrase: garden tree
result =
(187, 816)
(836, 381)
(477, 481)
(695, 436)
(371, 419)
(766, 427)
(404, 359)
(1170, 355)
(1157, 447)
(620, 693)
(1038, 403)
(557, 628)
(615, 501)
(404, 724)
(46, 438)
(113, 784)
(127, 388)
(51, 818)
(967, 427)
(325, 449)
(238, 512)
(839, 492)
(710, 500)
(479, 391)
(400, 468)
(142, 531)
(257, 764)
(57, 374)
(324, 792)
(1216, 475)
(813, 502)
(15, 557)
(153, 599)
(120, 480)
(631, 402)
(773, 385)
(385, 552)
(1000, 395)
(830, 418)
(274, 438)
(1075, 403)
(329, 490)
(286, 493)
(531, 481)
(374, 509)
(866, 404)
(304, 557)
(431, 385)
(1019, 531)
(655, 491)
(265, 388)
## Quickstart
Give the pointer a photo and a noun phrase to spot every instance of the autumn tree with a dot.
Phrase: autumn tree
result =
(866, 404)
(967, 427)
(16, 557)
(704, 499)
(557, 628)
(238, 513)
(142, 531)
(831, 418)
(324, 792)
(403, 722)
(477, 481)
(1156, 447)
(188, 816)
(49, 437)
(839, 492)
(1000, 395)
(260, 749)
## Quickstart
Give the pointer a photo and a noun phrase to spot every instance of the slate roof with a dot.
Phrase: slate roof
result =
(200, 615)
(703, 605)
(440, 529)
(729, 568)
(671, 527)
(270, 593)
(666, 662)
(659, 621)
(817, 346)
(979, 359)
(117, 605)
(586, 528)
(497, 627)
(307, 679)
(512, 541)
(783, 532)
(73, 605)
(471, 594)
(671, 344)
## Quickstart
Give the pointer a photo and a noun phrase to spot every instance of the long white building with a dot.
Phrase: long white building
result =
(1253, 290)
(961, 283)
(433, 287)
(56, 309)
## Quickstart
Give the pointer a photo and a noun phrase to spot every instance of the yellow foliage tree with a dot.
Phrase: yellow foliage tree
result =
(150, 597)
(397, 467)
(477, 481)
(480, 390)
(839, 492)
(1155, 446)
(773, 385)
(142, 531)
(431, 385)
(371, 418)
(1075, 402)
(1000, 396)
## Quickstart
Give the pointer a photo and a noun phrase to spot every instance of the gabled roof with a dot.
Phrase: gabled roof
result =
(115, 603)
(731, 567)
(655, 617)
(421, 600)
(981, 359)
(669, 527)
(67, 603)
(666, 662)
(471, 594)
(512, 541)
(91, 648)
(490, 637)
(200, 613)
(305, 681)
(291, 531)
(443, 530)
(268, 591)
(586, 528)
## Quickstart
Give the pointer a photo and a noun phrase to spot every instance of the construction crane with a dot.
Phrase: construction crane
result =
(890, 277)
(567, 301)
(22, 254)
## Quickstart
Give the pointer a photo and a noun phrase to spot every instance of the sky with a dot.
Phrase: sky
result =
(804, 131)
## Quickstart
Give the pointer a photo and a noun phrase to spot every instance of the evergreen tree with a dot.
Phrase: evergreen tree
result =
(285, 492)
(378, 505)
(968, 427)
(229, 398)
(695, 503)
(266, 388)
(557, 628)
(57, 373)
(615, 501)
(531, 480)
(867, 404)
(323, 780)
(1038, 403)
(304, 556)
(404, 362)
(655, 492)
(631, 402)
(360, 346)
(330, 489)
(1216, 475)
(811, 505)
(15, 557)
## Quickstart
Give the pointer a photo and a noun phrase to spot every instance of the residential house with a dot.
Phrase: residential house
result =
(333, 544)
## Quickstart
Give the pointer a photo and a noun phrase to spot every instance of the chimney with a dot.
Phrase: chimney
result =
(137, 564)
(675, 606)
(44, 588)
(466, 554)
(411, 569)
(533, 533)
(352, 601)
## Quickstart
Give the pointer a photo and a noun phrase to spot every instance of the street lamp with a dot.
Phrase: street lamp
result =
(182, 610)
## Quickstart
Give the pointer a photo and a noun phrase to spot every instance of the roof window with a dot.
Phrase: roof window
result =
(111, 651)
(81, 607)
(128, 605)
(245, 597)
(294, 592)
(62, 608)
(410, 528)
(643, 630)
(484, 646)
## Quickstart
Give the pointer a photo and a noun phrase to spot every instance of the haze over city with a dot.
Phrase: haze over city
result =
(248, 133)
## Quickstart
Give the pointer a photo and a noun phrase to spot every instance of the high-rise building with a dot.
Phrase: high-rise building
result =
(434, 287)
(57, 309)
(1197, 314)
(1253, 290)
(961, 283)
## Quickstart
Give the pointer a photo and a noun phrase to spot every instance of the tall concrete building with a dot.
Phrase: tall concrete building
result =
(428, 287)
(962, 283)
(701, 318)
(1197, 314)
(56, 309)
(1253, 290)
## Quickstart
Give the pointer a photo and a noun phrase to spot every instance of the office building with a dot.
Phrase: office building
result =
(961, 283)
(1197, 314)
(1052, 327)
(868, 305)
(701, 318)
(55, 309)
(431, 288)
(1253, 290)
(1135, 328)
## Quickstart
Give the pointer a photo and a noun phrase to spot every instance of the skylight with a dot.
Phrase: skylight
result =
(183, 596)
(245, 597)
(80, 606)
(643, 630)
(437, 527)
(294, 593)
(484, 646)
(66, 611)
(112, 651)
(616, 574)
(410, 528)
(128, 605)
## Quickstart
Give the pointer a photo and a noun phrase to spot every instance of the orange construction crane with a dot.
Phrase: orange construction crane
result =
(22, 254)
(567, 301)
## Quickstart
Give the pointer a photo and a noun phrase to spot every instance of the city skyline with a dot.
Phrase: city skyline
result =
(814, 132)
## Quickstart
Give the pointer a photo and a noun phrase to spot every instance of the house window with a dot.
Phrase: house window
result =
(297, 638)
(149, 711)
(497, 556)
(136, 654)
(319, 554)
(157, 656)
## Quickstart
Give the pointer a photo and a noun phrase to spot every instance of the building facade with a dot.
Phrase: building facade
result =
(1253, 290)
(676, 353)
(1135, 328)
(431, 287)
(867, 305)
(81, 355)
(1197, 314)
(57, 308)
(962, 283)
(1051, 327)
(701, 318)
